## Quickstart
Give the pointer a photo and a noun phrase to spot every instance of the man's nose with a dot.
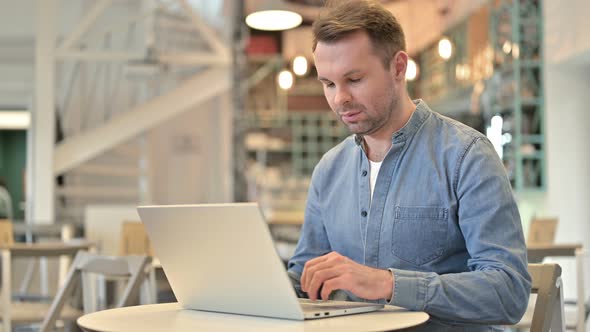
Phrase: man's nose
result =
(342, 97)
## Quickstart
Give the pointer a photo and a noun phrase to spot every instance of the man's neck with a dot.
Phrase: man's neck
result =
(378, 144)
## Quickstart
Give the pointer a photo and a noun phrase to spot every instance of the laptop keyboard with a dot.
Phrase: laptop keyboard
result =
(312, 307)
(308, 305)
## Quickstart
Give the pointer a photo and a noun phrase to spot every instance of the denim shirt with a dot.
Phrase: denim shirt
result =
(442, 218)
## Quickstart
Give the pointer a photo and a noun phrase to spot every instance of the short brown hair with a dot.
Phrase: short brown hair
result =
(341, 18)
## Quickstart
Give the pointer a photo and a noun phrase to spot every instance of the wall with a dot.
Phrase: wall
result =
(566, 32)
(191, 156)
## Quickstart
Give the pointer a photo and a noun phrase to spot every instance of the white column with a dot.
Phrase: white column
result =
(41, 140)
(224, 174)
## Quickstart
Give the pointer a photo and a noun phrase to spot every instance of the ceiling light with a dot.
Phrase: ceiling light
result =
(507, 47)
(273, 16)
(15, 119)
(285, 79)
(300, 65)
(515, 51)
(411, 70)
(445, 48)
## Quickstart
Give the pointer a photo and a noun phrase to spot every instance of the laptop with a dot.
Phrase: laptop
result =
(221, 258)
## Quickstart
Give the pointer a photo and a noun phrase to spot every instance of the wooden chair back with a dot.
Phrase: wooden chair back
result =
(134, 239)
(548, 312)
(6, 233)
(542, 231)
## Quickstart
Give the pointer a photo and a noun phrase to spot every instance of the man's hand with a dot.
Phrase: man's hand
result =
(334, 271)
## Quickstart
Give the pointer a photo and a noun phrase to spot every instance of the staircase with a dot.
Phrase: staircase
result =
(108, 108)
(111, 178)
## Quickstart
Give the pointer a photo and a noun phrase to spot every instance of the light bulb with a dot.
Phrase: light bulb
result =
(411, 70)
(300, 65)
(445, 48)
(507, 47)
(515, 51)
(15, 119)
(273, 20)
(285, 79)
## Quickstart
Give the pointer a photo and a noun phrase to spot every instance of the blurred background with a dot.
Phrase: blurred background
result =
(107, 104)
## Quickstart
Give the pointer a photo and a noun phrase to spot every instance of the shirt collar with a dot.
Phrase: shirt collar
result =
(416, 120)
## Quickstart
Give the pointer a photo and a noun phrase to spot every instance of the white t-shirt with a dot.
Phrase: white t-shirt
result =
(375, 166)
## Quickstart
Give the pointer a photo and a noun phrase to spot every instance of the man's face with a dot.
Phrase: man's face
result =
(359, 89)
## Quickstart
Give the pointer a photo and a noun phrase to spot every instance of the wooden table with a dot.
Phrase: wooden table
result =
(46, 249)
(172, 317)
(536, 253)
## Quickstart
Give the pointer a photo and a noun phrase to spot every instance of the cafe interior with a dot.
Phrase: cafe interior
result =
(106, 105)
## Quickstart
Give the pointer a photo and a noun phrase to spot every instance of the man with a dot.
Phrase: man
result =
(414, 209)
(5, 201)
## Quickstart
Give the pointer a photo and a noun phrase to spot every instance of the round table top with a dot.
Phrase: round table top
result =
(172, 317)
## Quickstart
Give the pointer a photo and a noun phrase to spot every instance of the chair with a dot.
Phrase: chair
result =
(130, 267)
(548, 311)
(6, 202)
(22, 312)
(32, 234)
(135, 241)
(542, 231)
(6, 233)
(578, 310)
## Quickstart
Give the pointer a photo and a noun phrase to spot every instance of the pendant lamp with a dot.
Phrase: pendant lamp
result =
(273, 15)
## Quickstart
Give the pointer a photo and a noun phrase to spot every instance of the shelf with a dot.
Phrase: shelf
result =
(285, 217)
(539, 155)
(532, 139)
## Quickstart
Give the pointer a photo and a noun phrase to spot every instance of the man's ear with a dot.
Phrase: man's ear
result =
(399, 64)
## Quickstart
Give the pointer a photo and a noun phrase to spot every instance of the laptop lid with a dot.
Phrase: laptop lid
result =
(220, 257)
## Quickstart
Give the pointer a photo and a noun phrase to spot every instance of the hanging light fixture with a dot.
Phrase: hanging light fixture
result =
(445, 48)
(285, 79)
(300, 65)
(412, 70)
(273, 15)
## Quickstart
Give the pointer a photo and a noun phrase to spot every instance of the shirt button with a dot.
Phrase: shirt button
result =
(364, 173)
(364, 213)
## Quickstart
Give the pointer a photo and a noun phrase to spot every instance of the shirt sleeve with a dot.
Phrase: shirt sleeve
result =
(496, 288)
(313, 241)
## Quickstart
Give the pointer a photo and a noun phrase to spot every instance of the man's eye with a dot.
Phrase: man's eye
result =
(355, 80)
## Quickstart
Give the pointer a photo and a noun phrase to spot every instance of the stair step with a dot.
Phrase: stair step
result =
(130, 150)
(106, 170)
(113, 192)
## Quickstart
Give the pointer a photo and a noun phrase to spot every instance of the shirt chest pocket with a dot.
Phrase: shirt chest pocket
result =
(419, 234)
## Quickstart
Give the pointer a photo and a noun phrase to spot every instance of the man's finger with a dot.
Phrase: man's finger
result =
(310, 271)
(318, 279)
(331, 285)
(308, 265)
